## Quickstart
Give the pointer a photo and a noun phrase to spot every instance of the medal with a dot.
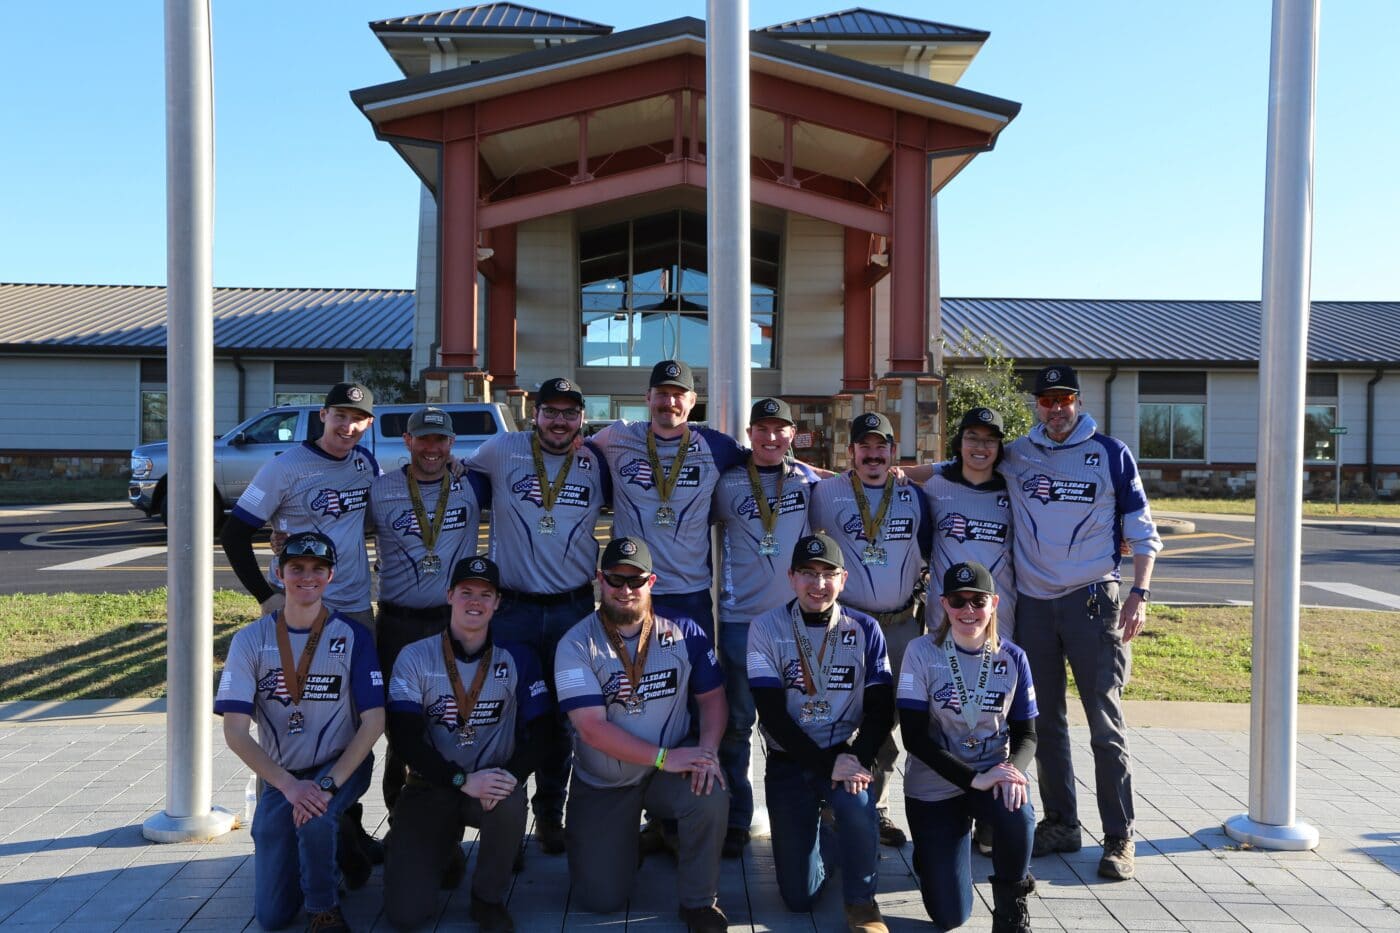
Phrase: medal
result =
(466, 736)
(296, 723)
(430, 565)
(873, 556)
(666, 480)
(665, 517)
(428, 532)
(969, 703)
(546, 525)
(768, 546)
(767, 514)
(634, 704)
(633, 667)
(294, 678)
(816, 669)
(465, 699)
(971, 742)
(549, 491)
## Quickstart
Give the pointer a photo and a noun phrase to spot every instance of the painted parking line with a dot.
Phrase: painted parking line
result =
(1364, 593)
(1232, 542)
(109, 560)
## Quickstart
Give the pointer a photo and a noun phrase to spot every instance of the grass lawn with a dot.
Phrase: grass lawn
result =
(43, 491)
(1382, 510)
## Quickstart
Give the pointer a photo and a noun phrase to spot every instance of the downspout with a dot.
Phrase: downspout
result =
(1108, 399)
(1371, 428)
(242, 387)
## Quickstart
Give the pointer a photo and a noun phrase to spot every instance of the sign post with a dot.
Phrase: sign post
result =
(1337, 456)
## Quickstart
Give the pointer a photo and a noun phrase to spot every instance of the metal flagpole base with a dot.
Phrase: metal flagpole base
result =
(1297, 837)
(162, 827)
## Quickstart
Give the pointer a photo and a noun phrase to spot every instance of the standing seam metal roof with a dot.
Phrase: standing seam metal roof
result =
(490, 17)
(860, 23)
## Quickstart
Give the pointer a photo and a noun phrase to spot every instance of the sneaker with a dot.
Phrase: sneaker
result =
(890, 834)
(1055, 835)
(328, 921)
(735, 838)
(704, 919)
(865, 918)
(549, 833)
(492, 918)
(982, 836)
(456, 869)
(1118, 858)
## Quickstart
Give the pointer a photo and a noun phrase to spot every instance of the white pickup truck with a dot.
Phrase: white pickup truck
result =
(239, 453)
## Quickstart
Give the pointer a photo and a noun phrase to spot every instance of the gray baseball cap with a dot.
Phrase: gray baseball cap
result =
(428, 421)
(630, 552)
(774, 408)
(872, 422)
(968, 577)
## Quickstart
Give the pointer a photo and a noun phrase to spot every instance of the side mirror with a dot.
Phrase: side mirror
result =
(239, 439)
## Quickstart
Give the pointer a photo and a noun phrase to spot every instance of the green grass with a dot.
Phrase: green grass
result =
(43, 491)
(1382, 510)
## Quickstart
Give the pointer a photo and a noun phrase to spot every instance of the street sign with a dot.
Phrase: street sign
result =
(1336, 430)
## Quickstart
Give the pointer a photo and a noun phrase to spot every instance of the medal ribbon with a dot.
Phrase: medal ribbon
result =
(871, 528)
(466, 700)
(766, 513)
(970, 707)
(549, 492)
(632, 668)
(294, 678)
(815, 686)
(429, 533)
(666, 482)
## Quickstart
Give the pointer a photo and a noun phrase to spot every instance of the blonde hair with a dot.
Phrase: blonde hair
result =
(945, 625)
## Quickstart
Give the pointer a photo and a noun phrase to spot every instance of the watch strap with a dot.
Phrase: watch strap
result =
(1146, 594)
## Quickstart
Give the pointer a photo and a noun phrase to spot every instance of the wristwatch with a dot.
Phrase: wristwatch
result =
(1146, 594)
(328, 785)
(459, 778)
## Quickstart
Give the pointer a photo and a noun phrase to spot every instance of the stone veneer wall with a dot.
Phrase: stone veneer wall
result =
(49, 465)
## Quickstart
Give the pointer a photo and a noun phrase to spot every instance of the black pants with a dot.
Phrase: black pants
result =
(397, 628)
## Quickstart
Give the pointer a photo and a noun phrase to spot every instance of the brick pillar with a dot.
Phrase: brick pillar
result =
(457, 274)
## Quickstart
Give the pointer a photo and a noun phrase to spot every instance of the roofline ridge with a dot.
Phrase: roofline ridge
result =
(398, 20)
(869, 11)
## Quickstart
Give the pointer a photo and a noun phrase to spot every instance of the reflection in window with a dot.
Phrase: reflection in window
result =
(1171, 431)
(1318, 441)
(644, 292)
(154, 415)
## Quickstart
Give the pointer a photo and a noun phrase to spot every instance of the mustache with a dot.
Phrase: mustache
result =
(874, 461)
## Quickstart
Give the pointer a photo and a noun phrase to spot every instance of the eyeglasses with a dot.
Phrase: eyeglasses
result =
(1063, 398)
(980, 601)
(811, 577)
(988, 442)
(308, 547)
(561, 414)
(617, 581)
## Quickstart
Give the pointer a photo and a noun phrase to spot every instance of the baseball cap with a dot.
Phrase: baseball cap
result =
(476, 568)
(309, 544)
(350, 395)
(968, 577)
(983, 418)
(672, 373)
(1056, 379)
(770, 408)
(872, 422)
(630, 552)
(559, 387)
(426, 421)
(817, 547)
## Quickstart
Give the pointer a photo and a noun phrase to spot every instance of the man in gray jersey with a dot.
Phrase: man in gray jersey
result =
(1078, 499)
(425, 520)
(546, 492)
(624, 675)
(761, 508)
(883, 529)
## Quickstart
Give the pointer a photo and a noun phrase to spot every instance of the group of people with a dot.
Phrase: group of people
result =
(927, 599)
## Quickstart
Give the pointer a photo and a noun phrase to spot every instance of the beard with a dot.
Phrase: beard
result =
(620, 617)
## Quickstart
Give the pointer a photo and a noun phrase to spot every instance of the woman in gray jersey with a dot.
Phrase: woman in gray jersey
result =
(967, 709)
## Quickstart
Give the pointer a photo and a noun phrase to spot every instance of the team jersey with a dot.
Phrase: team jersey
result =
(399, 544)
(680, 552)
(513, 693)
(531, 562)
(587, 672)
(306, 489)
(971, 523)
(1075, 504)
(342, 682)
(904, 536)
(750, 582)
(926, 683)
(860, 661)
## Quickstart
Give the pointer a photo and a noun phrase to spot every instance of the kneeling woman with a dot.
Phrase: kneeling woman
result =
(967, 710)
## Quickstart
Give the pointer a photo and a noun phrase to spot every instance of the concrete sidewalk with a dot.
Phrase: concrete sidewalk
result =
(77, 780)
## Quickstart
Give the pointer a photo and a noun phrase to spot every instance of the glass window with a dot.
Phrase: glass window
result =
(1318, 441)
(299, 398)
(276, 428)
(643, 292)
(154, 424)
(1171, 431)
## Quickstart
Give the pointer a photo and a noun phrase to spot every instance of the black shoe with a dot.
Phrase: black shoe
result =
(890, 834)
(456, 869)
(735, 838)
(549, 833)
(1055, 835)
(355, 868)
(328, 921)
(492, 918)
(1009, 911)
(982, 836)
(704, 919)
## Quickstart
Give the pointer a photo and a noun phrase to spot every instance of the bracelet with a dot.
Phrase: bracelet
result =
(660, 758)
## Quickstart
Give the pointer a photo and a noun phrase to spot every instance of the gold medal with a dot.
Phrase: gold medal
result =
(665, 517)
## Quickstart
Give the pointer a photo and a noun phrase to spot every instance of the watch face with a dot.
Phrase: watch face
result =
(327, 783)
(459, 779)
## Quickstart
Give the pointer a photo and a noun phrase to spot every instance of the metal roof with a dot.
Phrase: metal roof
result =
(1149, 332)
(490, 18)
(860, 23)
(114, 318)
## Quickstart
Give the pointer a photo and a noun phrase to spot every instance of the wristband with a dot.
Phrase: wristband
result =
(660, 758)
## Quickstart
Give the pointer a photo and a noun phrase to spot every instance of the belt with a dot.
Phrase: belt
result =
(304, 774)
(551, 599)
(882, 612)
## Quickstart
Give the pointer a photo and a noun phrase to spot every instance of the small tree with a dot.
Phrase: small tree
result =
(993, 385)
(386, 375)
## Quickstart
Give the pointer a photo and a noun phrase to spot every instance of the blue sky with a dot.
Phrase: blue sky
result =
(1135, 170)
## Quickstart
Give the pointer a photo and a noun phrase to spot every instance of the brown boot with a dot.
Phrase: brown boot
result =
(865, 918)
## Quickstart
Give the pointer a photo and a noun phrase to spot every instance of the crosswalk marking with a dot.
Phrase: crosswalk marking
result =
(1359, 592)
(108, 560)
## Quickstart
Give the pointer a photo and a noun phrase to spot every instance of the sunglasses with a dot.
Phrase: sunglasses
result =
(980, 601)
(617, 581)
(1050, 401)
(308, 547)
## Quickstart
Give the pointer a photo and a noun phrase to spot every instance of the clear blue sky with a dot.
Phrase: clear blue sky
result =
(1135, 170)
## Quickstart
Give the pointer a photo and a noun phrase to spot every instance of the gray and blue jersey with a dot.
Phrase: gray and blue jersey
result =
(904, 536)
(399, 544)
(926, 684)
(972, 523)
(1075, 504)
(679, 552)
(750, 582)
(306, 489)
(342, 682)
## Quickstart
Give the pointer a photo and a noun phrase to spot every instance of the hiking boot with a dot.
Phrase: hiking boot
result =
(890, 834)
(492, 918)
(549, 833)
(1009, 911)
(735, 838)
(704, 919)
(1055, 835)
(865, 918)
(328, 921)
(982, 836)
(1118, 858)
(456, 869)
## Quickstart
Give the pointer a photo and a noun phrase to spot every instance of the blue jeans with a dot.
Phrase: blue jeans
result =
(540, 626)
(292, 864)
(736, 747)
(795, 798)
(942, 833)
(695, 606)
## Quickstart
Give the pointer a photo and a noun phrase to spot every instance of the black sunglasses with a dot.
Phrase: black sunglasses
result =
(980, 601)
(617, 581)
(308, 547)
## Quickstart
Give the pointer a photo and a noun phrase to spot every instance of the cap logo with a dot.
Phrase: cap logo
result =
(672, 369)
(814, 546)
(770, 407)
(628, 548)
(477, 566)
(563, 385)
(433, 417)
(354, 394)
(985, 414)
(965, 574)
(1052, 375)
(870, 421)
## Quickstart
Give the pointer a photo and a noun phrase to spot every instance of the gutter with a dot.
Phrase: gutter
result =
(1108, 400)
(1371, 428)
(242, 388)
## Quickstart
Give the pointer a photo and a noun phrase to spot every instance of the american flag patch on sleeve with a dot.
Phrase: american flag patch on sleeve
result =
(571, 679)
